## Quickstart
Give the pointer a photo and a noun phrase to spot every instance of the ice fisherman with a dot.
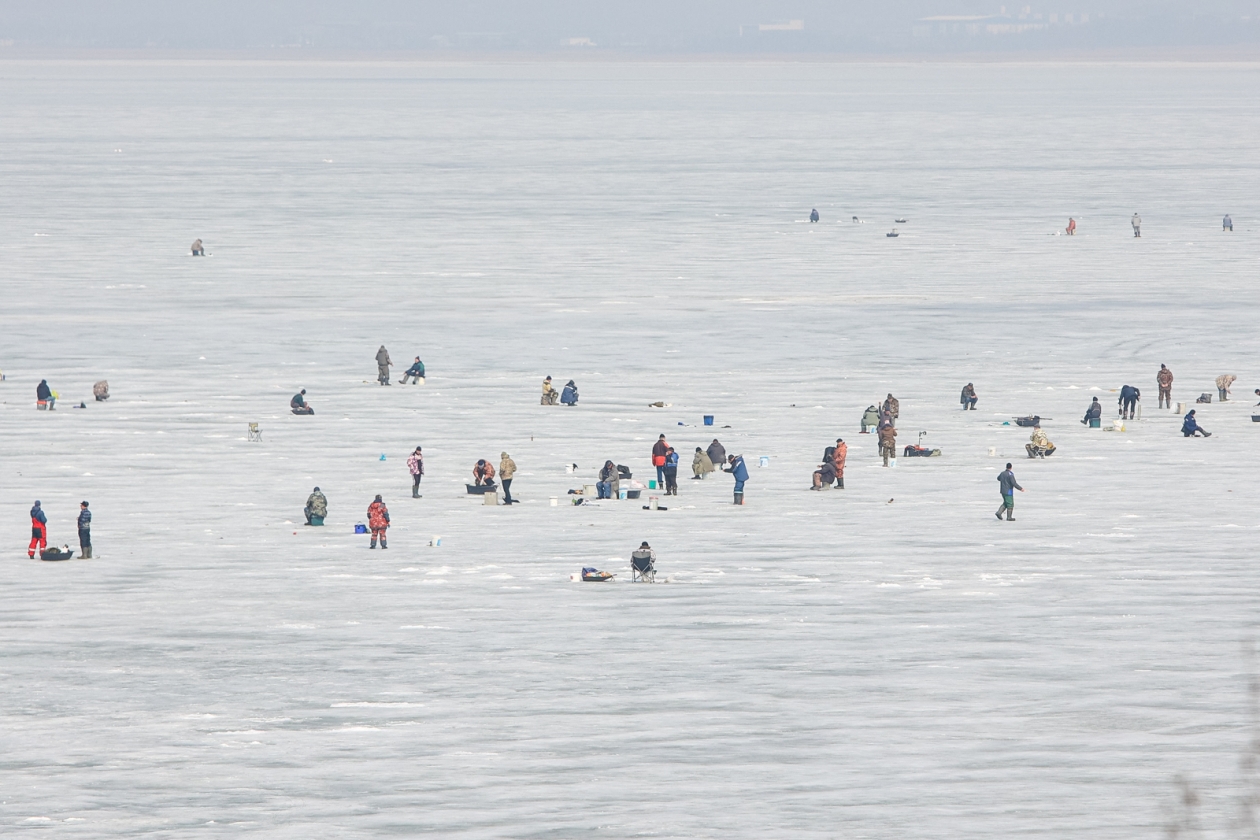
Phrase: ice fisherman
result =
(570, 394)
(197, 249)
(415, 373)
(1094, 412)
(671, 472)
(870, 419)
(892, 409)
(1222, 386)
(1009, 486)
(813, 215)
(739, 472)
(39, 530)
(717, 454)
(1071, 228)
(507, 469)
(1136, 221)
(1040, 445)
(316, 505)
(44, 395)
(659, 449)
(101, 391)
(298, 404)
(549, 394)
(1165, 380)
(968, 397)
(383, 365)
(415, 466)
(609, 484)
(701, 464)
(84, 524)
(483, 473)
(888, 442)
(1190, 426)
(1129, 398)
(378, 521)
(838, 458)
(1227, 223)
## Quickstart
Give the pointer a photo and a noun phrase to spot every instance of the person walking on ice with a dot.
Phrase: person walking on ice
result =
(1009, 486)
(383, 365)
(39, 530)
(1227, 224)
(1136, 221)
(887, 442)
(378, 521)
(415, 466)
(85, 532)
(1165, 380)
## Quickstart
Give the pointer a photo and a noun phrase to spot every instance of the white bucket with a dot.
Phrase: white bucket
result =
(1181, 408)
(653, 502)
(555, 501)
(892, 462)
(568, 468)
(435, 542)
(576, 577)
(589, 491)
(764, 461)
(621, 494)
(490, 498)
(992, 451)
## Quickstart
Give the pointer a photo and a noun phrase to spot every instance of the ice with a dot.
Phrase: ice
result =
(818, 664)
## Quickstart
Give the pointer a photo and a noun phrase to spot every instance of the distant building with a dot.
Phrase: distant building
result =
(790, 26)
(581, 42)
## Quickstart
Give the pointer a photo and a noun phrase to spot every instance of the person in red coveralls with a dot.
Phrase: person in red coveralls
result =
(39, 530)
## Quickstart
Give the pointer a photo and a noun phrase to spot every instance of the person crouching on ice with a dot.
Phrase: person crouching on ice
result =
(1040, 446)
(378, 521)
(483, 473)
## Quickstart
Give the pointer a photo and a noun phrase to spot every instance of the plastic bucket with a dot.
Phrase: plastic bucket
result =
(892, 462)
(992, 451)
(621, 494)
(1095, 423)
(360, 528)
(764, 461)
(708, 419)
(653, 502)
(555, 501)
(436, 541)
(490, 498)
(652, 484)
(317, 520)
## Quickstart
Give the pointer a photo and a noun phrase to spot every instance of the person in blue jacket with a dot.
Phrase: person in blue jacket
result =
(1190, 426)
(1129, 397)
(740, 473)
(85, 531)
(39, 530)
(415, 373)
(570, 395)
(671, 472)
(813, 215)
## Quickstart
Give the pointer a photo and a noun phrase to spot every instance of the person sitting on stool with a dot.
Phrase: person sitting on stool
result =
(415, 372)
(1093, 414)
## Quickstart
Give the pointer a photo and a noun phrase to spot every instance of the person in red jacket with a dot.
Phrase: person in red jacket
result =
(39, 530)
(659, 450)
(1071, 228)
(483, 472)
(378, 521)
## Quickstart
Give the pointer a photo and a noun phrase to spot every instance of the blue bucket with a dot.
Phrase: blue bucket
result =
(360, 528)
(708, 419)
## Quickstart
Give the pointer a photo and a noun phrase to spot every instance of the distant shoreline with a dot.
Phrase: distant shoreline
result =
(1237, 54)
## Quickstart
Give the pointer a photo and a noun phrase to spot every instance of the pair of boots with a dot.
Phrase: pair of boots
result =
(85, 552)
(415, 492)
(1010, 513)
(839, 483)
(739, 498)
(383, 545)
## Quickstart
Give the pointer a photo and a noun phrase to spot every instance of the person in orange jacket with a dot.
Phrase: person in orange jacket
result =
(838, 458)
(378, 521)
(659, 450)
(483, 472)
(39, 530)
(1071, 228)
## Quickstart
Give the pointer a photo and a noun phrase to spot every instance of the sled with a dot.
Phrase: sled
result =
(55, 554)
(596, 576)
(480, 489)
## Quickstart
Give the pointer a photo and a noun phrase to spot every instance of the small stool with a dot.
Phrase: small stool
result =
(254, 432)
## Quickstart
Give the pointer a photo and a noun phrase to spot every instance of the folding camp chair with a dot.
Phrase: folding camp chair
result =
(642, 568)
(254, 432)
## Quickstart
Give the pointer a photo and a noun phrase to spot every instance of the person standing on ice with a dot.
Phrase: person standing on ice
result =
(671, 472)
(39, 530)
(838, 458)
(1129, 398)
(1222, 385)
(888, 442)
(1190, 426)
(1071, 228)
(382, 365)
(1227, 224)
(507, 469)
(969, 398)
(1009, 486)
(378, 521)
(659, 450)
(1165, 379)
(701, 464)
(85, 532)
(739, 472)
(892, 409)
(1136, 221)
(415, 466)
